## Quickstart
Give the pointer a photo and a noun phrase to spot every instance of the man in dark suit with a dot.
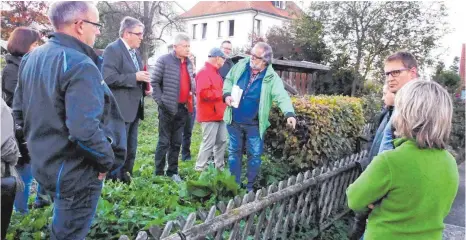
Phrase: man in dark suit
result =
(122, 71)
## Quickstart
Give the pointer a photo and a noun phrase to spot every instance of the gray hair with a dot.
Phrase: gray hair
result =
(62, 13)
(129, 23)
(268, 52)
(181, 37)
(423, 112)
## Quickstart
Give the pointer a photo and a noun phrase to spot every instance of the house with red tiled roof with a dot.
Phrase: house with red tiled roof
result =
(209, 23)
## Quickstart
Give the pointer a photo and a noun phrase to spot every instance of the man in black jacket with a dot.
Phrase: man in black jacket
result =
(226, 48)
(173, 84)
(72, 125)
(123, 72)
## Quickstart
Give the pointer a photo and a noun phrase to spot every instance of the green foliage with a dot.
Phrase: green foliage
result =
(449, 79)
(300, 40)
(372, 101)
(457, 137)
(127, 209)
(212, 183)
(372, 30)
(327, 130)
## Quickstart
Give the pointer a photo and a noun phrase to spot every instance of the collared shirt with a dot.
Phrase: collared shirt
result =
(185, 84)
(248, 109)
(126, 44)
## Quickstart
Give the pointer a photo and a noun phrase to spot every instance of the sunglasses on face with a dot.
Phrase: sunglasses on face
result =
(395, 73)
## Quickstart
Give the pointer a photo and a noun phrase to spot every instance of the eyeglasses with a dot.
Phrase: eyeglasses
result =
(137, 34)
(98, 25)
(395, 73)
(254, 57)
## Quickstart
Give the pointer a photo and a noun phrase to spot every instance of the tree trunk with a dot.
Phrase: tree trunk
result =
(147, 20)
(356, 72)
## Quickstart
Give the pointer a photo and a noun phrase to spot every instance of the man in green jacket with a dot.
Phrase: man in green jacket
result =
(248, 116)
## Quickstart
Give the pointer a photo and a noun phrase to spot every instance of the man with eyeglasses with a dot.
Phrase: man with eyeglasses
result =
(226, 48)
(248, 117)
(400, 68)
(72, 125)
(123, 72)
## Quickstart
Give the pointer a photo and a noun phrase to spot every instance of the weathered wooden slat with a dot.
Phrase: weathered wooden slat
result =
(300, 203)
(262, 215)
(295, 202)
(222, 207)
(190, 221)
(280, 212)
(211, 213)
(273, 212)
(167, 229)
(288, 217)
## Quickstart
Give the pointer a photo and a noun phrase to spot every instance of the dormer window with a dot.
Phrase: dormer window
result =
(279, 4)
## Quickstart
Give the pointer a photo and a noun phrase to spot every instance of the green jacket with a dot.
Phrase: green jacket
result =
(272, 91)
(412, 189)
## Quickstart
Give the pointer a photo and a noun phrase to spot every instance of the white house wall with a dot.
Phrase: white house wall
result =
(243, 27)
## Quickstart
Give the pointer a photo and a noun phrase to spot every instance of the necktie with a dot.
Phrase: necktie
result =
(132, 52)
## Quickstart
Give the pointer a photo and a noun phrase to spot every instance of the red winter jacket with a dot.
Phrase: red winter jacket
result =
(209, 94)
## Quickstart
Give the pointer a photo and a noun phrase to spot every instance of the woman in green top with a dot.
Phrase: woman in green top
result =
(411, 188)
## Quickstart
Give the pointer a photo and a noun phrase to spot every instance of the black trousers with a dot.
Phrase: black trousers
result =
(132, 138)
(170, 137)
(8, 198)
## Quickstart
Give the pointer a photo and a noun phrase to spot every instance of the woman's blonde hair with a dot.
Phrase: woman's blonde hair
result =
(423, 112)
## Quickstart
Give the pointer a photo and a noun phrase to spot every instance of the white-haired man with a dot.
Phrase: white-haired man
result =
(173, 84)
(261, 86)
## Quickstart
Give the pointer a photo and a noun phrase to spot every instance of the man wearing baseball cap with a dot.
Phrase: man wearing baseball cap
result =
(210, 107)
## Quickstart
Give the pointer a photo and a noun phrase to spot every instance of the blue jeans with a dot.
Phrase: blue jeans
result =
(21, 198)
(72, 216)
(187, 133)
(254, 145)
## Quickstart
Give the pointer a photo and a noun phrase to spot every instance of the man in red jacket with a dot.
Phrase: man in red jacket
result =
(210, 109)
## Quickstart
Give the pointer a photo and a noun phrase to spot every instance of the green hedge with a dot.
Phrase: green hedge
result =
(457, 137)
(327, 130)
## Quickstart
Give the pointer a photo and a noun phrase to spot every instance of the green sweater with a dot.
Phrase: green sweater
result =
(416, 188)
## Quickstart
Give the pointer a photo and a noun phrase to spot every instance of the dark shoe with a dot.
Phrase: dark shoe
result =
(40, 204)
(126, 178)
(359, 226)
(186, 158)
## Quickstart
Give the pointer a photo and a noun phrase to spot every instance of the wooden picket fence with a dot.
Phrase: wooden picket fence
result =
(311, 199)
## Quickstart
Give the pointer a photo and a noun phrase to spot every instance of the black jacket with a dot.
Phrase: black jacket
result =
(120, 75)
(165, 81)
(10, 78)
(71, 122)
(226, 68)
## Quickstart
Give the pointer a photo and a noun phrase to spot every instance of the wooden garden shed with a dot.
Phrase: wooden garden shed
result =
(298, 76)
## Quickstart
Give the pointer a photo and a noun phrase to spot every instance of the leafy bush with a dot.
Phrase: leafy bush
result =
(327, 130)
(457, 138)
(212, 183)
